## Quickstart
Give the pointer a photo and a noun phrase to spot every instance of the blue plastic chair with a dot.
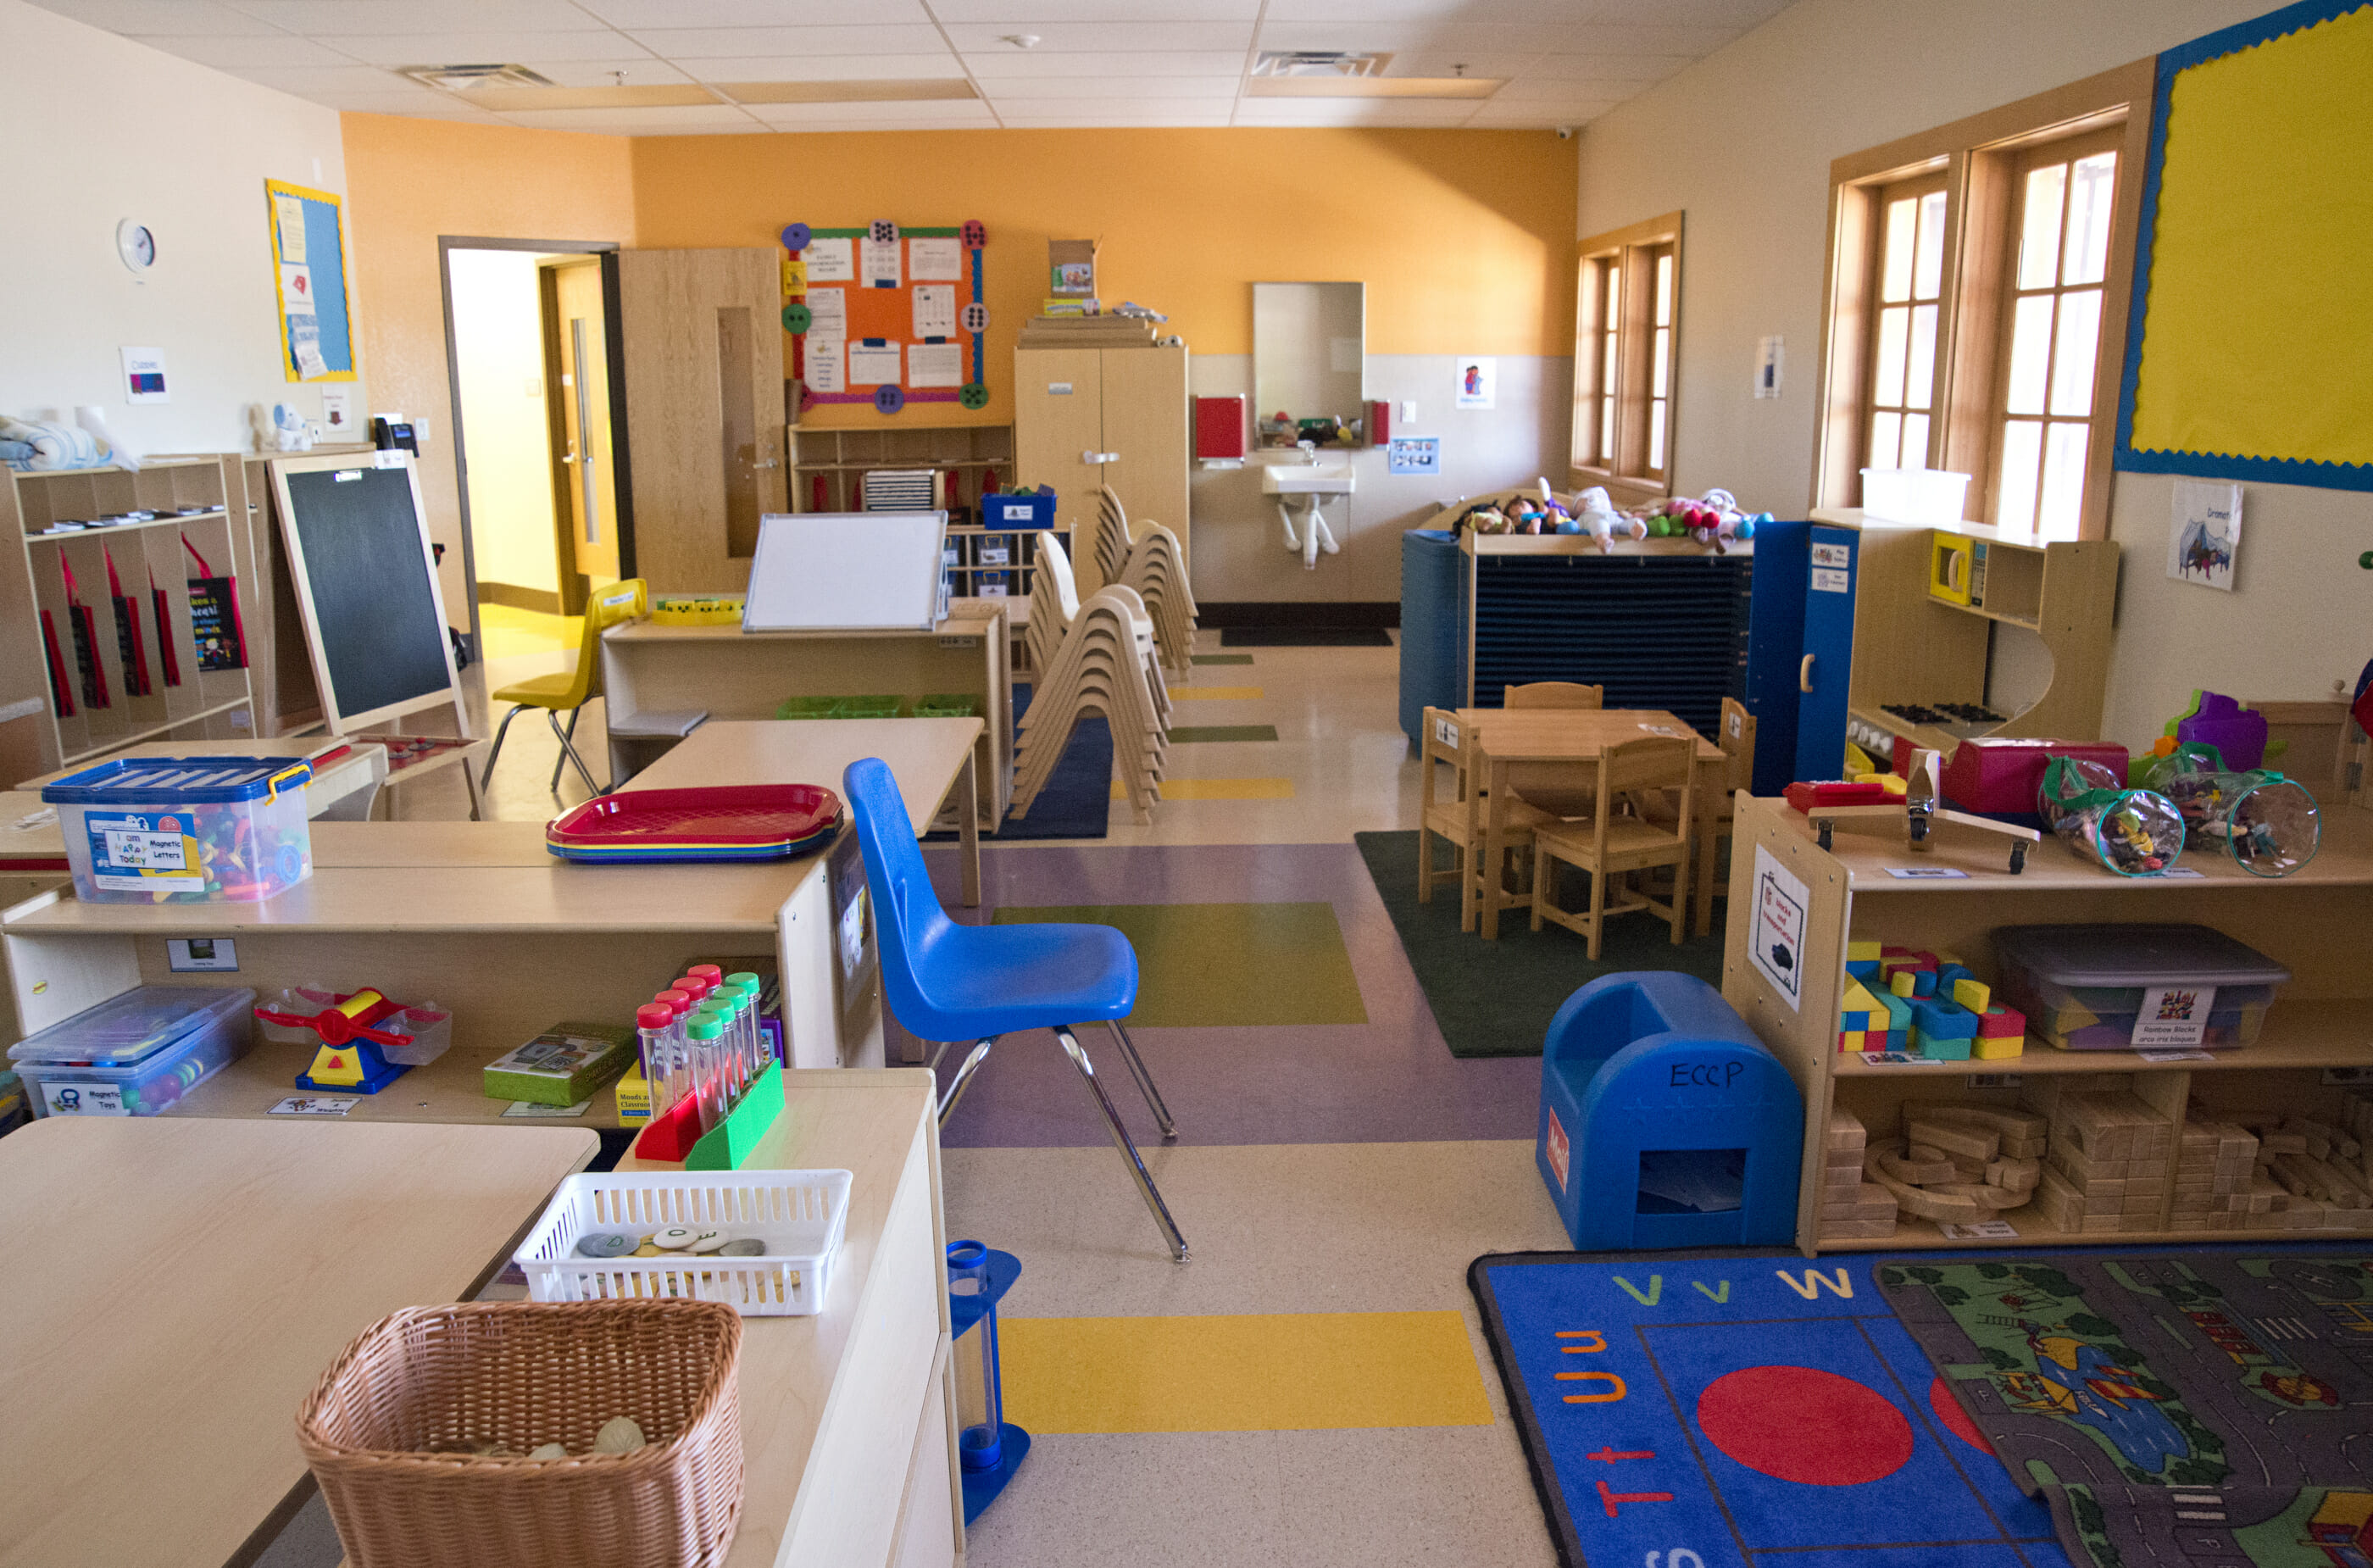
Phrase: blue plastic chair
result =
(949, 982)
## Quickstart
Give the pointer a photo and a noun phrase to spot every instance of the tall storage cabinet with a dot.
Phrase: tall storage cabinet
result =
(1084, 418)
(1800, 650)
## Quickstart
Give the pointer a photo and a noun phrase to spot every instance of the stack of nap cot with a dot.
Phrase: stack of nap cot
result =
(1104, 662)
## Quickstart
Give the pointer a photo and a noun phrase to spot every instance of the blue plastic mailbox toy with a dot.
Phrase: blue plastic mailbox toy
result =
(1664, 1121)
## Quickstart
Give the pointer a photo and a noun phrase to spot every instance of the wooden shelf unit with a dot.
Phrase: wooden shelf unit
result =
(2313, 922)
(206, 705)
(1912, 646)
(842, 458)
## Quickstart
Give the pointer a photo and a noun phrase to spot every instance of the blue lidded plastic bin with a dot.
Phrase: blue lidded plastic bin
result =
(185, 830)
(134, 1054)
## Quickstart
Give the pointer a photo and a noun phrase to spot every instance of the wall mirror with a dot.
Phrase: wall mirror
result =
(1309, 352)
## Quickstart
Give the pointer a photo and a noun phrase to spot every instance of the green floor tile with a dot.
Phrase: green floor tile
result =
(1219, 965)
(1190, 732)
(1224, 657)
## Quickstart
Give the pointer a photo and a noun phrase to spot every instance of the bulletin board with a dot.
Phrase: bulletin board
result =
(2254, 277)
(887, 316)
(309, 280)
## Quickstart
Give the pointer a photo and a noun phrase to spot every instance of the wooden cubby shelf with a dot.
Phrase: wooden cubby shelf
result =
(2313, 922)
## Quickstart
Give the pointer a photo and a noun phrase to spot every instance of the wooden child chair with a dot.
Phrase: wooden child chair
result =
(1459, 819)
(1556, 790)
(1610, 846)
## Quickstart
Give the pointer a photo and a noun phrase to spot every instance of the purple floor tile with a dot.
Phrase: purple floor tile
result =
(1390, 1080)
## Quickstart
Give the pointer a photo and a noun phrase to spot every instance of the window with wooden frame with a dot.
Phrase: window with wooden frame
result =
(1627, 325)
(1978, 280)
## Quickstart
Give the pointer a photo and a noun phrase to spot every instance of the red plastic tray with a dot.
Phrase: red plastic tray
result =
(735, 822)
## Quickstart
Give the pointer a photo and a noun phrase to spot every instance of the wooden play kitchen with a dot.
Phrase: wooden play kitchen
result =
(1795, 906)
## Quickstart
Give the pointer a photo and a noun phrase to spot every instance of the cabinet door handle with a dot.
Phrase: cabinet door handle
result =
(1804, 674)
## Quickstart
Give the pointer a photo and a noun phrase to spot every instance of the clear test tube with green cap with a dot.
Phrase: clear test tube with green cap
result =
(722, 1067)
(704, 1035)
(745, 985)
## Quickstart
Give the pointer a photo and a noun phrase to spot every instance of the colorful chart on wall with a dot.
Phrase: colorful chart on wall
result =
(309, 272)
(887, 315)
(2253, 267)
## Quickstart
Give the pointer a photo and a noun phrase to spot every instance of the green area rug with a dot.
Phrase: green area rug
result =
(1204, 965)
(1497, 998)
(1188, 733)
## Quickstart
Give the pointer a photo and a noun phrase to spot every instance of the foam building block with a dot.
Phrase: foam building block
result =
(2002, 1033)
(1864, 960)
(1944, 1032)
(1951, 973)
(1899, 1021)
(1903, 982)
(1924, 982)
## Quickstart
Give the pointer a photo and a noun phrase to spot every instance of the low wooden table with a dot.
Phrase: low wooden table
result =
(1565, 735)
(184, 1282)
(934, 760)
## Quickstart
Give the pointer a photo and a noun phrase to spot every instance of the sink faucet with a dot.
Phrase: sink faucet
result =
(1309, 452)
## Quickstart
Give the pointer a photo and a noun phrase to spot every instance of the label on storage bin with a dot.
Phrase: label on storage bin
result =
(2173, 1016)
(1559, 1151)
(61, 1098)
(144, 852)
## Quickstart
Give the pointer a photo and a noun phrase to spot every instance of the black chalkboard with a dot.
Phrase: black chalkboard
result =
(362, 565)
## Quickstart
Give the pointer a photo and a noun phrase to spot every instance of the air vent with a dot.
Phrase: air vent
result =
(464, 78)
(1320, 63)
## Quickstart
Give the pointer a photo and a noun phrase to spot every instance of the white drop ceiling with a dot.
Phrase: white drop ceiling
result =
(1097, 63)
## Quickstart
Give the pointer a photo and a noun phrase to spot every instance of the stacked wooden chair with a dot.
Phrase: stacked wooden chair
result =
(1112, 535)
(1158, 572)
(1106, 664)
(1054, 603)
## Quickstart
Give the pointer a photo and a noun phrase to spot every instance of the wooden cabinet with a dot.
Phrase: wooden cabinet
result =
(1084, 418)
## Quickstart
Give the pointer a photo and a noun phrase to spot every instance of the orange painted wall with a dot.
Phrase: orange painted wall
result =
(1465, 239)
(408, 182)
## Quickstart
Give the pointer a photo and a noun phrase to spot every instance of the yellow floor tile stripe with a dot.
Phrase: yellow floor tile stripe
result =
(1271, 1372)
(1217, 789)
(1215, 693)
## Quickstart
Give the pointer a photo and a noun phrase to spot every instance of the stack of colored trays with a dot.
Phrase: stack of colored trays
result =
(742, 821)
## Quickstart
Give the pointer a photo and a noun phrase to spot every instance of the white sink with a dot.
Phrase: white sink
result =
(1328, 476)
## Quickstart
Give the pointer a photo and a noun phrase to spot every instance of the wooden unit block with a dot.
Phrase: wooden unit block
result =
(1845, 1129)
(1980, 1144)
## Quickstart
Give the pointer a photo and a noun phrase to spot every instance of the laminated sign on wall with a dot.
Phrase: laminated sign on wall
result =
(887, 315)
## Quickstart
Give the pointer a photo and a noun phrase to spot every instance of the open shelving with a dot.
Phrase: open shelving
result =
(828, 466)
(2318, 1034)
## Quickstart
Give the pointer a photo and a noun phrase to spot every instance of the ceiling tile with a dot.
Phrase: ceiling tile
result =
(1607, 67)
(930, 111)
(825, 68)
(708, 43)
(1073, 38)
(1596, 38)
(634, 122)
(1501, 115)
(181, 19)
(1163, 122)
(1024, 12)
(1735, 14)
(304, 81)
(497, 48)
(633, 14)
(640, 72)
(1364, 10)
(1038, 62)
(1115, 111)
(1426, 37)
(1353, 112)
(1420, 62)
(230, 53)
(363, 19)
(1549, 90)
(1119, 89)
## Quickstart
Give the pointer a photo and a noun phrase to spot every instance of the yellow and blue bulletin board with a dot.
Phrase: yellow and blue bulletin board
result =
(2246, 354)
(308, 279)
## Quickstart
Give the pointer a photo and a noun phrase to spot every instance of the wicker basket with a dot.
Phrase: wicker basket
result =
(389, 1429)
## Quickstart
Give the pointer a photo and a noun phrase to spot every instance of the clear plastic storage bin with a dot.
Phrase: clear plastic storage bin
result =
(185, 830)
(2084, 987)
(134, 1054)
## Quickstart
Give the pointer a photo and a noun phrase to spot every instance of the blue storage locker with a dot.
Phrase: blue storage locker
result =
(1800, 650)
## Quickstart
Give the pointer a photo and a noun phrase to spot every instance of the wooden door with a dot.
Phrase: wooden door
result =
(1058, 423)
(704, 354)
(588, 481)
(1147, 424)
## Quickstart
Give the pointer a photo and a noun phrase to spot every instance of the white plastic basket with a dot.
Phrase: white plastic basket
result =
(799, 1214)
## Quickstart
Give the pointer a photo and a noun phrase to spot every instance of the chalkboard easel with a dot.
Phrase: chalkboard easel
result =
(359, 558)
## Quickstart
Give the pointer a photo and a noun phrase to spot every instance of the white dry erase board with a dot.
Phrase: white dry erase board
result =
(845, 571)
(366, 580)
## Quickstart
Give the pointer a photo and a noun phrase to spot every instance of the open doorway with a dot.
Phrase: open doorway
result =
(540, 457)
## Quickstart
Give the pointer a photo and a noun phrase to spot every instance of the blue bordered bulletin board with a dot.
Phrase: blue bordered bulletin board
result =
(308, 281)
(2244, 357)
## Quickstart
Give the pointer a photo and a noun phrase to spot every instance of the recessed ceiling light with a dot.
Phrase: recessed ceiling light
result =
(466, 78)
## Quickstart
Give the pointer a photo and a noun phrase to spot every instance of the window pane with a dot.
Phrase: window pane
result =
(1928, 267)
(1895, 257)
(2089, 200)
(1608, 364)
(1665, 289)
(1660, 364)
(2064, 480)
(2014, 497)
(2072, 361)
(2030, 355)
(2039, 246)
(1606, 431)
(1886, 389)
(1613, 293)
(1886, 439)
(1657, 435)
(1915, 440)
(1920, 378)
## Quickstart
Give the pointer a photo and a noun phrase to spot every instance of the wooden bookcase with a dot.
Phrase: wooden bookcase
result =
(840, 458)
(2314, 922)
(38, 737)
(1912, 646)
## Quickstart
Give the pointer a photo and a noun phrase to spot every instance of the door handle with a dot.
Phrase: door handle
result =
(768, 463)
(570, 455)
(1804, 674)
(1095, 456)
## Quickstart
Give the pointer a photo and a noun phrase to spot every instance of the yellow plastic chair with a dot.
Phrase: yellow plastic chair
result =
(571, 690)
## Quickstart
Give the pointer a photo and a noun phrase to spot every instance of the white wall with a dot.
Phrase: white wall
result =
(498, 347)
(1742, 143)
(99, 129)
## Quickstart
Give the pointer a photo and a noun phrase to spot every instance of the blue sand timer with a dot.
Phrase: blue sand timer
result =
(990, 1447)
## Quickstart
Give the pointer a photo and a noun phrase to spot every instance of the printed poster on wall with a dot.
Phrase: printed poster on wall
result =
(2205, 532)
(935, 310)
(831, 261)
(878, 260)
(1478, 381)
(826, 363)
(935, 260)
(875, 364)
(935, 365)
(1782, 907)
